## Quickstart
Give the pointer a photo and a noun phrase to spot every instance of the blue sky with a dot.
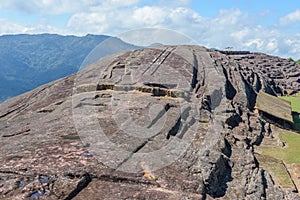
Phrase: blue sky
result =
(267, 26)
(274, 9)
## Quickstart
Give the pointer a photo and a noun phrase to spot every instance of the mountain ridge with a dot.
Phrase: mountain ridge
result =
(28, 61)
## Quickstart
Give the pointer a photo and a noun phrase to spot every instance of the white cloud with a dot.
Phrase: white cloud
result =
(272, 45)
(148, 36)
(113, 17)
(82, 23)
(148, 16)
(63, 6)
(112, 21)
(8, 27)
(229, 17)
(228, 28)
(240, 35)
(173, 3)
(255, 43)
(290, 18)
(117, 21)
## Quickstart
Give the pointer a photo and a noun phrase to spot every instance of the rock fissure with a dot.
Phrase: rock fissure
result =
(206, 133)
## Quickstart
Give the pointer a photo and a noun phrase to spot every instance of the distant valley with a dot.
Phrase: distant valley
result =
(28, 61)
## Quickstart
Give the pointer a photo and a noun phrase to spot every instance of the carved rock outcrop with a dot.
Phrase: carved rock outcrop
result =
(173, 122)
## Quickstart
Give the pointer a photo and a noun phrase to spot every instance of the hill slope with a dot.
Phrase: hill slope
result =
(28, 61)
(172, 122)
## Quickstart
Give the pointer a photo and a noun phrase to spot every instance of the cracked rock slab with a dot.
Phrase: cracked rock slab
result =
(173, 122)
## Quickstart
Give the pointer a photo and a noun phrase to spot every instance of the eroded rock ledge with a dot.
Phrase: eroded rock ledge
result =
(155, 91)
(194, 104)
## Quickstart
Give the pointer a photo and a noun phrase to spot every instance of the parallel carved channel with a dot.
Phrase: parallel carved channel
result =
(155, 91)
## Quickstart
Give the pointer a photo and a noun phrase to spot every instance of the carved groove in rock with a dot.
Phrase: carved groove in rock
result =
(168, 94)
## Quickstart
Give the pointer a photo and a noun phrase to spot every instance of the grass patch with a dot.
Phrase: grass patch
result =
(274, 106)
(204, 123)
(277, 170)
(280, 161)
(290, 154)
(295, 102)
(282, 175)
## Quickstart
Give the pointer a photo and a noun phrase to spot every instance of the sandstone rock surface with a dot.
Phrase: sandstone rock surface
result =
(172, 122)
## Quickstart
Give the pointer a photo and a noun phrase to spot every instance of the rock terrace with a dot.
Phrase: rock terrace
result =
(173, 122)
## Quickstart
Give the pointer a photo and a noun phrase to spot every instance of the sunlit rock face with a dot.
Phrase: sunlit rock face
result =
(168, 122)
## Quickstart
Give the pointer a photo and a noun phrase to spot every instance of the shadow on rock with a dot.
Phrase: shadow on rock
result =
(219, 178)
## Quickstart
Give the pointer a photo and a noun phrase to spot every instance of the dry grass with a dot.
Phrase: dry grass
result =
(277, 169)
(295, 102)
(276, 158)
(275, 106)
(291, 153)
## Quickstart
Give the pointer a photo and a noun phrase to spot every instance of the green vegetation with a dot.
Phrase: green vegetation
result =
(275, 158)
(277, 169)
(296, 118)
(295, 102)
(28, 61)
(291, 59)
(204, 123)
(290, 154)
(282, 174)
(275, 106)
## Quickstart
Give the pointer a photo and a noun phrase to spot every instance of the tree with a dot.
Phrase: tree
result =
(291, 59)
(229, 48)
